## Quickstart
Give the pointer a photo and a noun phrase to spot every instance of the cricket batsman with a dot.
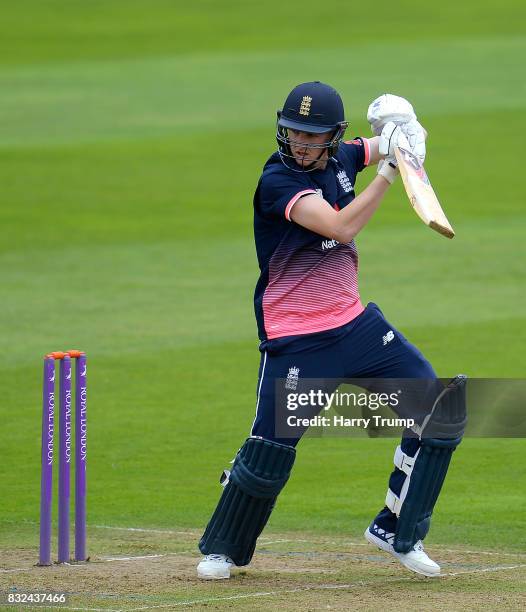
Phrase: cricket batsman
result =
(312, 324)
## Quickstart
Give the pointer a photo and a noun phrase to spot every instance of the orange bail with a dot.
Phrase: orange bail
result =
(56, 355)
(73, 353)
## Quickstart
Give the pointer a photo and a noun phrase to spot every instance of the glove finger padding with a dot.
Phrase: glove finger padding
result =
(402, 142)
(416, 138)
(389, 107)
(389, 139)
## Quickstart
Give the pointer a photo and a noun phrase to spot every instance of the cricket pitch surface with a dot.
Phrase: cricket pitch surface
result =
(154, 569)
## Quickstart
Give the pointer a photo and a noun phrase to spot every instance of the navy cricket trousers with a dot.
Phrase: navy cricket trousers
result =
(368, 347)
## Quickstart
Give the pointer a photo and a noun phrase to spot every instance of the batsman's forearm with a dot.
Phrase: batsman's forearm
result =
(353, 217)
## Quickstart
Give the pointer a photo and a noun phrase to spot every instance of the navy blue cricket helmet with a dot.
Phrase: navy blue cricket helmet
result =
(316, 108)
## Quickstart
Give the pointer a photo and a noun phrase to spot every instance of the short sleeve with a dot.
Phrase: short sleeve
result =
(278, 192)
(357, 152)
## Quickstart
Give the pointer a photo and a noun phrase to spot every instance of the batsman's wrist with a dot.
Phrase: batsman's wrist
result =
(388, 171)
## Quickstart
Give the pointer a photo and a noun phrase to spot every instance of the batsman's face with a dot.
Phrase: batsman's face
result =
(302, 146)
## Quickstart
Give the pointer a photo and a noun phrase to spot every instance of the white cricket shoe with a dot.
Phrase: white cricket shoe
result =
(415, 560)
(215, 567)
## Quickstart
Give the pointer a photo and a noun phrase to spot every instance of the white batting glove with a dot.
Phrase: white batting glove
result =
(389, 107)
(416, 137)
(389, 137)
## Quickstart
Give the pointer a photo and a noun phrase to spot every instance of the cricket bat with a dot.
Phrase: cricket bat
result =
(420, 192)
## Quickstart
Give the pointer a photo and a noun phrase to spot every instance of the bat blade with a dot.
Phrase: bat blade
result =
(421, 194)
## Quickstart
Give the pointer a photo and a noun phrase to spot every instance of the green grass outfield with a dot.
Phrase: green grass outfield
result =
(132, 136)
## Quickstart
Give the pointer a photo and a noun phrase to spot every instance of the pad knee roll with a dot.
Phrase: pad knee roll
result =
(261, 470)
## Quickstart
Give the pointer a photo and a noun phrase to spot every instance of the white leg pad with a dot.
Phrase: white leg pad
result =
(404, 463)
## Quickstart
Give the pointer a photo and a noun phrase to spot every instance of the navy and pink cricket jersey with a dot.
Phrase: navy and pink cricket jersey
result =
(308, 283)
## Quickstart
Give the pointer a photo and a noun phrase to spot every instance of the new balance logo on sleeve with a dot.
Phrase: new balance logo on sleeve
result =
(388, 337)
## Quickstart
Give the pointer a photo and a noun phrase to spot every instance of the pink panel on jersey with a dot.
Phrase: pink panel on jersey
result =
(311, 290)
